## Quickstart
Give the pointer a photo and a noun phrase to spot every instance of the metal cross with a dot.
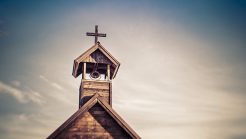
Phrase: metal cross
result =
(96, 34)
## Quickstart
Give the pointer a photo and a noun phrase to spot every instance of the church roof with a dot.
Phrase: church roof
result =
(77, 66)
(96, 99)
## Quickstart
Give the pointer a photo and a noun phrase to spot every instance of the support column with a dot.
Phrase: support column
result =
(108, 72)
(84, 71)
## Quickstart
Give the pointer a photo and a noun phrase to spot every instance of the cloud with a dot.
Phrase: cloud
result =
(53, 84)
(16, 83)
(64, 97)
(21, 96)
(35, 97)
(172, 84)
(4, 88)
(26, 126)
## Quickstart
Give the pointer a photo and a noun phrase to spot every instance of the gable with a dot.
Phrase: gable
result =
(95, 119)
(97, 57)
(95, 123)
(90, 56)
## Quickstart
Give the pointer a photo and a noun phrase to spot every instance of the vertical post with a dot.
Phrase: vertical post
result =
(80, 91)
(108, 72)
(110, 94)
(84, 71)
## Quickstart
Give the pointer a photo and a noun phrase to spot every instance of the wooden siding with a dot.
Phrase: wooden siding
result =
(89, 88)
(94, 124)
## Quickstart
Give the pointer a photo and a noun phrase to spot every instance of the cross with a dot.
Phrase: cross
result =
(96, 34)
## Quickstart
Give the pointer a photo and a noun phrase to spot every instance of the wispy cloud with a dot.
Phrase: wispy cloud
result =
(53, 84)
(22, 96)
(56, 91)
(26, 126)
(34, 96)
(16, 83)
(173, 83)
(4, 88)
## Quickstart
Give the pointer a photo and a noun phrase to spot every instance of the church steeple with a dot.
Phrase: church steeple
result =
(95, 117)
(98, 67)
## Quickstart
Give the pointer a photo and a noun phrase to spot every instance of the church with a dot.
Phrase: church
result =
(95, 118)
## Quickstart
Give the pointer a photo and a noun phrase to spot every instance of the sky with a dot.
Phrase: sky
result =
(182, 73)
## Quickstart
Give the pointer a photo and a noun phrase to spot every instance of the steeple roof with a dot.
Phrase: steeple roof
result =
(77, 66)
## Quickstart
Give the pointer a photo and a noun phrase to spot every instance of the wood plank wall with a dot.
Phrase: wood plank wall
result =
(89, 88)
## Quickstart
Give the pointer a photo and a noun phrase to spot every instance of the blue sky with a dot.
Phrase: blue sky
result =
(182, 73)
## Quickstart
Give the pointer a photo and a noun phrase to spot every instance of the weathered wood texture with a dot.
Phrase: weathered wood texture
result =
(108, 72)
(98, 57)
(84, 71)
(96, 105)
(94, 124)
(89, 88)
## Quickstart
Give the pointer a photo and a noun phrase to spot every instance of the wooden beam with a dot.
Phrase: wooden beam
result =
(110, 94)
(108, 72)
(84, 71)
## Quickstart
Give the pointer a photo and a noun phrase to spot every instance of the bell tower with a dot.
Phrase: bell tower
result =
(98, 67)
(95, 118)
